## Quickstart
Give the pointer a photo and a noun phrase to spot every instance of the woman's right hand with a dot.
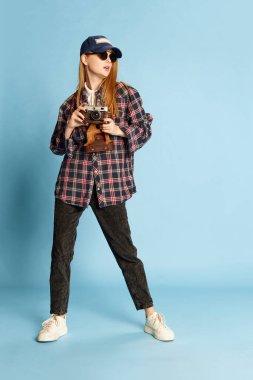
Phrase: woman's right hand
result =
(76, 120)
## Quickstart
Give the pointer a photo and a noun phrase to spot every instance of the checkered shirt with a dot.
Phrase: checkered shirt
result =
(111, 171)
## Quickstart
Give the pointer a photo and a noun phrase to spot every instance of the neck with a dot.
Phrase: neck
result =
(93, 83)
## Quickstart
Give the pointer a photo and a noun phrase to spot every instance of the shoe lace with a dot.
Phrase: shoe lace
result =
(49, 322)
(160, 317)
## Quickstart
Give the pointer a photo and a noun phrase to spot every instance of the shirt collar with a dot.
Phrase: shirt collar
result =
(86, 91)
(89, 91)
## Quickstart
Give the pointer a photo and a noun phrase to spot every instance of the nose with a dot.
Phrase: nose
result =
(108, 57)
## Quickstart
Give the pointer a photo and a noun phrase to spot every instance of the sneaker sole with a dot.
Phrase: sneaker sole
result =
(148, 330)
(51, 340)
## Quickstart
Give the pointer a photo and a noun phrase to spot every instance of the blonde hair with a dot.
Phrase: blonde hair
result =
(108, 87)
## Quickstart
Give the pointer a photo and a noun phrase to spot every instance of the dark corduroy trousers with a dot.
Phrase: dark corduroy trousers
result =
(113, 221)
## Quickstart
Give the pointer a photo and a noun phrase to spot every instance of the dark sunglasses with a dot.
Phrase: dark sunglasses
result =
(104, 56)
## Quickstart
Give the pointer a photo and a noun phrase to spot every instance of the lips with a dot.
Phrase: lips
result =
(107, 67)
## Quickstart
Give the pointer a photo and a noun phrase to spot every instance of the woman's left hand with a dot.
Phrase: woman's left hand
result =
(110, 127)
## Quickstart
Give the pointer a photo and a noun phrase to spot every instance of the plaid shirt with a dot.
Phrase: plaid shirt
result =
(112, 171)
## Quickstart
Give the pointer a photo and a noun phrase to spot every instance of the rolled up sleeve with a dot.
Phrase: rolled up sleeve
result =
(138, 123)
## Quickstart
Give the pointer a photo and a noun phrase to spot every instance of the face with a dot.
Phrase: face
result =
(96, 66)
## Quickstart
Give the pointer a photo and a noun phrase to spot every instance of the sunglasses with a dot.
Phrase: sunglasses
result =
(104, 56)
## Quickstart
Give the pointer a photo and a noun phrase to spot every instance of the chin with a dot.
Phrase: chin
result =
(104, 74)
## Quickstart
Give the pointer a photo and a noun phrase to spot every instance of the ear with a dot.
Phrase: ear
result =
(84, 59)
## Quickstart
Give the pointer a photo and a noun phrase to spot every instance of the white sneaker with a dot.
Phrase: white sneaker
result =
(156, 326)
(53, 328)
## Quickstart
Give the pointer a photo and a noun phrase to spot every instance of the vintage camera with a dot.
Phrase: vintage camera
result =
(95, 114)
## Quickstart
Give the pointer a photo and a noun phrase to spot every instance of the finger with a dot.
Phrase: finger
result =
(78, 119)
(80, 114)
(81, 108)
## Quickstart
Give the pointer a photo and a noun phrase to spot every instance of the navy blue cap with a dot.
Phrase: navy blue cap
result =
(98, 44)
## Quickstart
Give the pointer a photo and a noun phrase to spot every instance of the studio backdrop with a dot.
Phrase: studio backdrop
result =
(191, 217)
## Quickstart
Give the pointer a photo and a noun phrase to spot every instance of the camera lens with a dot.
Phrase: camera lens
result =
(95, 115)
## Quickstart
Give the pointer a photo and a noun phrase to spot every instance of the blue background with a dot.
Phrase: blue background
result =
(191, 218)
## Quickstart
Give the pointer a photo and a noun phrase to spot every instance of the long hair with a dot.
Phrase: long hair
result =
(108, 87)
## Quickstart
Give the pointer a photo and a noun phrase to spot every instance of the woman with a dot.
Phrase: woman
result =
(104, 180)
